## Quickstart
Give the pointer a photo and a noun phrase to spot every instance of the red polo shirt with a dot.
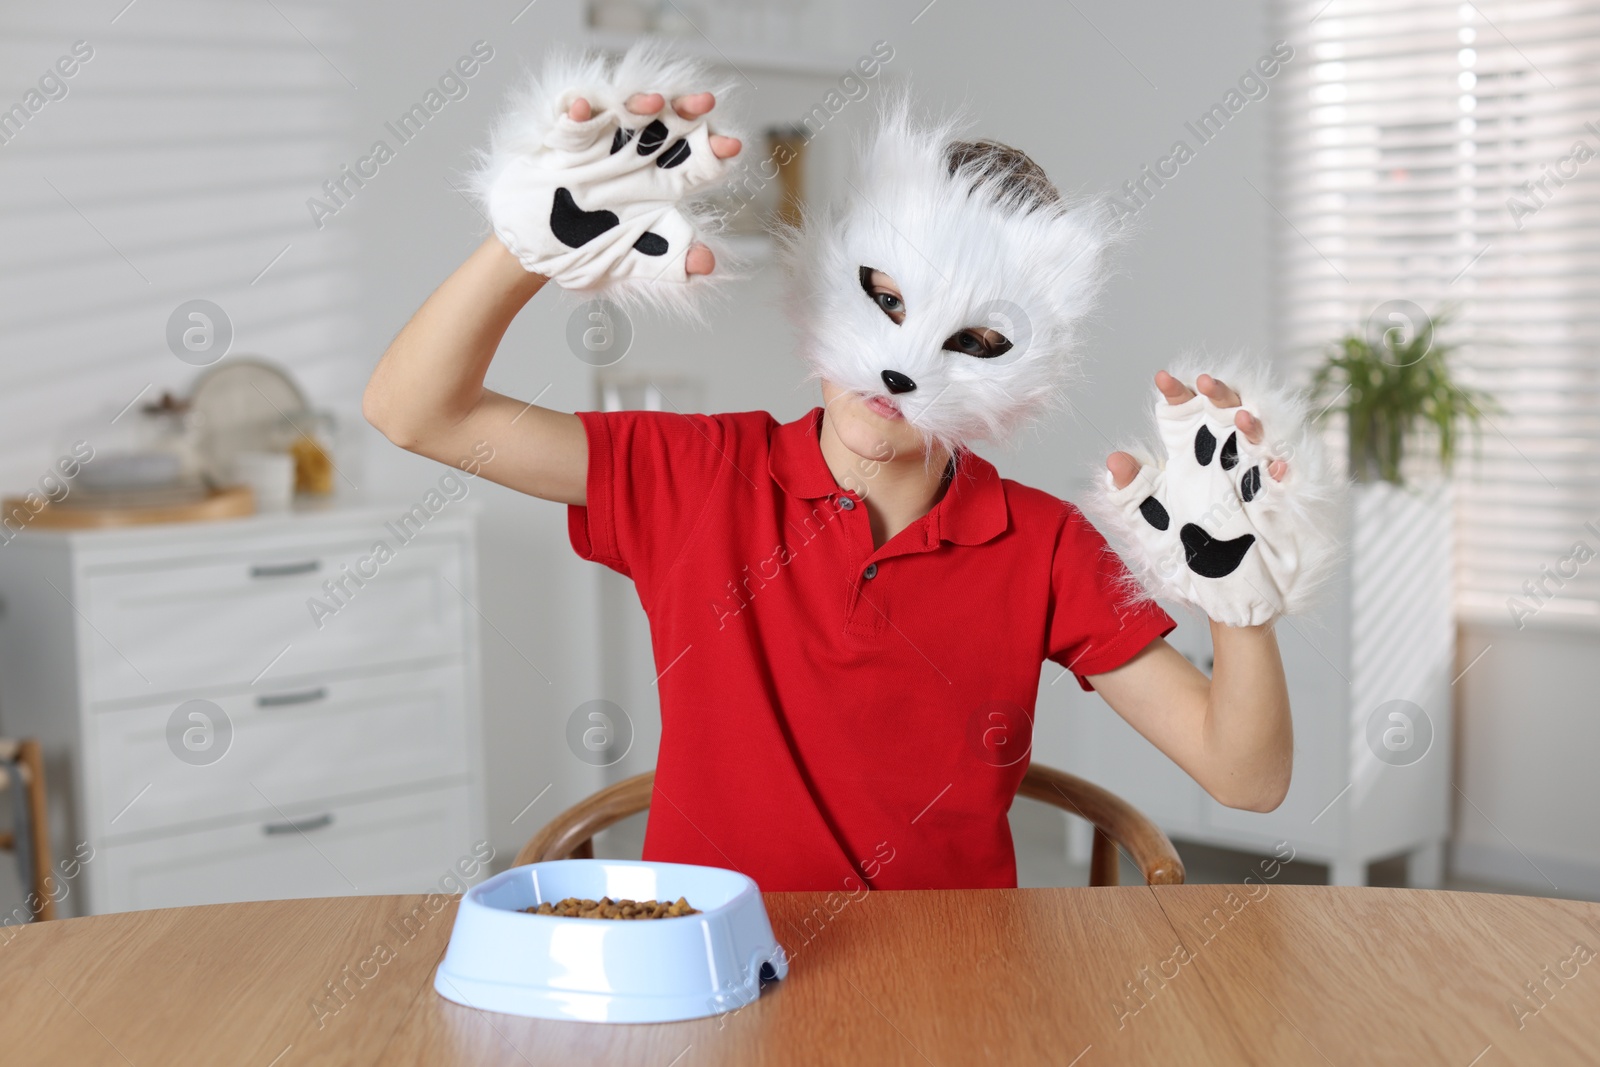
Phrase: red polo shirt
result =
(831, 712)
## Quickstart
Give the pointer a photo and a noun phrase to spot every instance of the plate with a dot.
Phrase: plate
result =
(245, 404)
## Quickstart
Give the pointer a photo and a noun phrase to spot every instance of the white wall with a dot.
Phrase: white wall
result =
(1529, 732)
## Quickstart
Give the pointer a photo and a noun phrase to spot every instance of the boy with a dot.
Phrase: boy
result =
(850, 611)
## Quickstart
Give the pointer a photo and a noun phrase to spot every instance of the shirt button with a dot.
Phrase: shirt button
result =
(871, 571)
(847, 504)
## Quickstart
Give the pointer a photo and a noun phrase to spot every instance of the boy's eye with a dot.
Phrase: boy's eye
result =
(986, 345)
(888, 303)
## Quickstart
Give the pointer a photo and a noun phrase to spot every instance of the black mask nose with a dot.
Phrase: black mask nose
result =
(897, 382)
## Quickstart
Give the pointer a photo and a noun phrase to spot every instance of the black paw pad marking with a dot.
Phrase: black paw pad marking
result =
(1230, 452)
(1250, 484)
(620, 139)
(1209, 557)
(1204, 445)
(651, 244)
(674, 155)
(575, 227)
(652, 137)
(1154, 513)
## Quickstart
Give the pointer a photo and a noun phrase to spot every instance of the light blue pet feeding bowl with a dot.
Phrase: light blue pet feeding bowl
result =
(610, 970)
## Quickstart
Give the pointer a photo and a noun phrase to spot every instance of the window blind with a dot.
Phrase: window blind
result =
(1448, 153)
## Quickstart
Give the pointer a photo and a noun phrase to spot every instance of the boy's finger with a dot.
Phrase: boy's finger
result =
(1175, 391)
(646, 103)
(580, 111)
(1220, 393)
(694, 105)
(1123, 467)
(699, 260)
(1248, 425)
(724, 147)
(1277, 468)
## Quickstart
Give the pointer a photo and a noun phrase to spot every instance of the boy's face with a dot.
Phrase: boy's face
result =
(937, 312)
(871, 423)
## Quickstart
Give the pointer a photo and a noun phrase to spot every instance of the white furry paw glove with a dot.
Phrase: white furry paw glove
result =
(601, 205)
(1235, 521)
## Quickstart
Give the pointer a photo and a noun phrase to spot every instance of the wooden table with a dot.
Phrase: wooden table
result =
(1191, 975)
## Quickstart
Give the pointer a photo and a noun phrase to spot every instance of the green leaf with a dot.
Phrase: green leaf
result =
(1390, 392)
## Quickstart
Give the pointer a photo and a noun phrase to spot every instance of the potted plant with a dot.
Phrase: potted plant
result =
(1392, 382)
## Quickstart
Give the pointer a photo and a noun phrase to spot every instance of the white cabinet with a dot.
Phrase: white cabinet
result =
(266, 707)
(360, 733)
(186, 622)
(1370, 681)
(400, 844)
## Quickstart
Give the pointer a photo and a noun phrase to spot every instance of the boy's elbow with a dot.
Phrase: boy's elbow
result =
(382, 416)
(1259, 796)
(1259, 802)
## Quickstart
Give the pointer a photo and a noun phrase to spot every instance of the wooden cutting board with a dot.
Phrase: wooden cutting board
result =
(233, 502)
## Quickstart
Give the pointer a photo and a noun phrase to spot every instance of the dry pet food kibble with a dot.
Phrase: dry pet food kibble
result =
(606, 908)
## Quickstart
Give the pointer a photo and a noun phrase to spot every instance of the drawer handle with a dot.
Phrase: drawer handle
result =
(298, 826)
(284, 570)
(283, 700)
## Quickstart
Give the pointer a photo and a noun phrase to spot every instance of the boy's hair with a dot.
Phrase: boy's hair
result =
(1022, 181)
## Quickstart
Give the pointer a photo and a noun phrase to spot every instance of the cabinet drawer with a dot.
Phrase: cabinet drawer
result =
(227, 620)
(288, 746)
(399, 845)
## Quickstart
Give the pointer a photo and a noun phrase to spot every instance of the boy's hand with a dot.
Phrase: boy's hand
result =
(1223, 522)
(1124, 467)
(699, 259)
(592, 173)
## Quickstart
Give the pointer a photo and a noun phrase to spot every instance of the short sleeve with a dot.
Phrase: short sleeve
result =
(650, 476)
(1097, 622)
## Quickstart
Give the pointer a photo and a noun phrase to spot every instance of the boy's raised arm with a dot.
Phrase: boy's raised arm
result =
(427, 393)
(582, 185)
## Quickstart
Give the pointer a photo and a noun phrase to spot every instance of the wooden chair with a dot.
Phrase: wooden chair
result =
(22, 766)
(1117, 824)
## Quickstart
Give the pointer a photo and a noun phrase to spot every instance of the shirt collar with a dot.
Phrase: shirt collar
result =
(972, 511)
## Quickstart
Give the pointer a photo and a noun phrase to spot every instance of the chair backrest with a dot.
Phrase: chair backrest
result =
(22, 769)
(1117, 824)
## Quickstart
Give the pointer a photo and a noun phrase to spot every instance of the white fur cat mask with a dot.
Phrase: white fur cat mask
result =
(965, 253)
